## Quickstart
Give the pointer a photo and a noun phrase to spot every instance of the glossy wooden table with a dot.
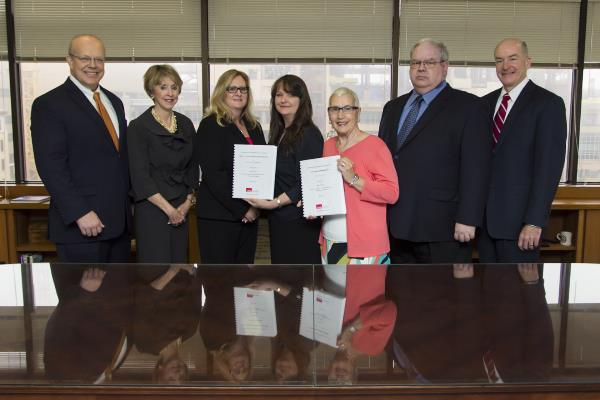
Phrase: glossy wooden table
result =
(425, 332)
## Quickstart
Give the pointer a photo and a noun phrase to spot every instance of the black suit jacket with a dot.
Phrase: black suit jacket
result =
(443, 166)
(527, 161)
(78, 163)
(161, 162)
(439, 325)
(287, 173)
(214, 151)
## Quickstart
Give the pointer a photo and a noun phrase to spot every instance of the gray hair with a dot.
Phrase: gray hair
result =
(440, 46)
(83, 35)
(344, 91)
(520, 42)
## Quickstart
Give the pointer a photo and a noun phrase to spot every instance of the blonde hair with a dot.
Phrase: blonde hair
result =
(344, 91)
(156, 73)
(223, 354)
(217, 100)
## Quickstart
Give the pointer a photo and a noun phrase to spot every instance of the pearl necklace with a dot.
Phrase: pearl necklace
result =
(172, 128)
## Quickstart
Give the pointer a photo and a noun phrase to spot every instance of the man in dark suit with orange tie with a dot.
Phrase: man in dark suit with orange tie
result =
(78, 134)
(437, 136)
(529, 133)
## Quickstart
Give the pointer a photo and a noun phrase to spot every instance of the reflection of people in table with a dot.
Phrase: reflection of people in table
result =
(370, 183)
(290, 352)
(368, 320)
(519, 327)
(167, 311)
(439, 331)
(86, 337)
(293, 239)
(231, 354)
(227, 227)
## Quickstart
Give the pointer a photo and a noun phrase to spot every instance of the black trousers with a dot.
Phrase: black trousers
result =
(295, 241)
(116, 250)
(502, 250)
(407, 252)
(227, 242)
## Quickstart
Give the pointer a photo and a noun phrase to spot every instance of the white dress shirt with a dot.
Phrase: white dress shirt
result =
(89, 94)
(514, 94)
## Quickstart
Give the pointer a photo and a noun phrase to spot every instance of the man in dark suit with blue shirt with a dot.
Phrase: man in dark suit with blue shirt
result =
(437, 136)
(78, 134)
(529, 133)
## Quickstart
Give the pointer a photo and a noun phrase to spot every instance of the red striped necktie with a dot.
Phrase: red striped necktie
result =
(499, 118)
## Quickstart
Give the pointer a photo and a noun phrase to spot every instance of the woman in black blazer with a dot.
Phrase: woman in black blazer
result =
(163, 173)
(294, 239)
(227, 227)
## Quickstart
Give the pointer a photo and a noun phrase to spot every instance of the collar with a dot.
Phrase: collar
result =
(84, 89)
(429, 96)
(516, 91)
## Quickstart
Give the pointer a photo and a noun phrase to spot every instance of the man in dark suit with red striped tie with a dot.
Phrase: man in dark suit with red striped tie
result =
(529, 133)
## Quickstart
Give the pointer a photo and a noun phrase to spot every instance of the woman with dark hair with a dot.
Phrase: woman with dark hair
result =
(294, 239)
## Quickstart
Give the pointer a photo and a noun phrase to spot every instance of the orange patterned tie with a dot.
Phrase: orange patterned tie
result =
(107, 120)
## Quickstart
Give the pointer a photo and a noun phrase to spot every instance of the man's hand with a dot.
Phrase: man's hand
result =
(529, 238)
(529, 273)
(462, 271)
(464, 233)
(90, 225)
(91, 280)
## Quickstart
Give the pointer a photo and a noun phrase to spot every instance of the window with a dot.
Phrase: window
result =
(483, 80)
(7, 159)
(588, 167)
(321, 80)
(123, 79)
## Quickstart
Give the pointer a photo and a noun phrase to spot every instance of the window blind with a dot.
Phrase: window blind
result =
(592, 35)
(307, 29)
(3, 39)
(130, 29)
(471, 29)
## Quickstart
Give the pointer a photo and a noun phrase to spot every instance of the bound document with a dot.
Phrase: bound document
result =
(322, 187)
(321, 316)
(254, 171)
(30, 199)
(254, 312)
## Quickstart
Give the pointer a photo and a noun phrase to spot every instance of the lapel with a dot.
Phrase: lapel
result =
(492, 99)
(438, 104)
(515, 112)
(391, 136)
(89, 110)
(114, 100)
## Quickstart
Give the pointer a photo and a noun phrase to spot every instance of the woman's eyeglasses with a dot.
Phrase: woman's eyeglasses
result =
(234, 89)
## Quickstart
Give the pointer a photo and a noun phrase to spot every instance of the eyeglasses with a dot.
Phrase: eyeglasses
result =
(234, 89)
(344, 109)
(88, 60)
(416, 64)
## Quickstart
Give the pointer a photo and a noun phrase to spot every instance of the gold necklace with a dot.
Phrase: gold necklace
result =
(172, 128)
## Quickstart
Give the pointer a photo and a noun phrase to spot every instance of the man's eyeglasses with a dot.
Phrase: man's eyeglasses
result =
(88, 60)
(345, 109)
(234, 89)
(415, 64)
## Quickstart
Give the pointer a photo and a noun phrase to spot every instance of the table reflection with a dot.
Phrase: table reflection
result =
(396, 325)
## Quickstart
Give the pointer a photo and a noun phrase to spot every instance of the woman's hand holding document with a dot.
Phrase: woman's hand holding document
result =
(322, 187)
